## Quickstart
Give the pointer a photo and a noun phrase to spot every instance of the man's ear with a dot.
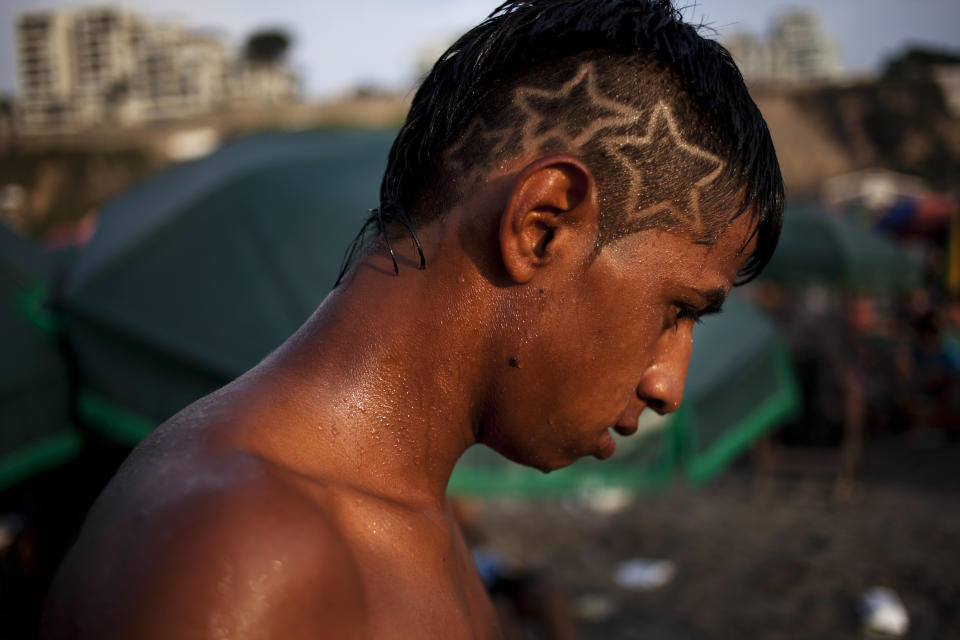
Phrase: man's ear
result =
(552, 211)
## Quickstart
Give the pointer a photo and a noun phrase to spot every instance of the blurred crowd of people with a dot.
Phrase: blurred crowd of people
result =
(892, 363)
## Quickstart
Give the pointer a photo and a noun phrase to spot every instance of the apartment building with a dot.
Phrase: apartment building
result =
(808, 54)
(99, 66)
(102, 52)
(260, 83)
(45, 70)
(796, 52)
(756, 57)
(177, 74)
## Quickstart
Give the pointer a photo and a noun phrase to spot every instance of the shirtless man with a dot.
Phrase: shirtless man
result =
(583, 180)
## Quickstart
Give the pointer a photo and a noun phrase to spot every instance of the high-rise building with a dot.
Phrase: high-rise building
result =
(45, 70)
(103, 57)
(808, 54)
(756, 57)
(103, 65)
(797, 52)
(261, 83)
(177, 73)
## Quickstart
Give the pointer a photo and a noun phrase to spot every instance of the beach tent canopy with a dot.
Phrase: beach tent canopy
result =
(197, 274)
(817, 248)
(35, 429)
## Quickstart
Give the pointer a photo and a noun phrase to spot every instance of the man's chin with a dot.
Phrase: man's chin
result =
(560, 461)
(547, 468)
(538, 463)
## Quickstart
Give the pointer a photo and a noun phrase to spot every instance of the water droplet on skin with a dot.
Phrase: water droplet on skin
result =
(257, 584)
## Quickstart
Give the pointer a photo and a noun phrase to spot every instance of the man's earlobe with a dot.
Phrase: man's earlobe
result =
(551, 212)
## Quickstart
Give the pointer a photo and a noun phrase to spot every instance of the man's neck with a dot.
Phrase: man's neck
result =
(380, 398)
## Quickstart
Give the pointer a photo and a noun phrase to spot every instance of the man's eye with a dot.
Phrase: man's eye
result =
(683, 312)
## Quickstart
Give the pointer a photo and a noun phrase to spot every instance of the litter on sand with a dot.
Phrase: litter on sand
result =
(644, 574)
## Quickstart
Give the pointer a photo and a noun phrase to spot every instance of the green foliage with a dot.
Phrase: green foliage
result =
(268, 46)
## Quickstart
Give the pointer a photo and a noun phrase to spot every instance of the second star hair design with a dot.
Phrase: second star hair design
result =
(650, 159)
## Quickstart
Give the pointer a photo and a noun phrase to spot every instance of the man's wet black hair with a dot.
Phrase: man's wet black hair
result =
(542, 42)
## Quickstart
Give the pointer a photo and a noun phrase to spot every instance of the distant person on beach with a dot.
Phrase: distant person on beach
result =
(577, 182)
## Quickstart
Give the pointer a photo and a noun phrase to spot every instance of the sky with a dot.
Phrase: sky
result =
(338, 45)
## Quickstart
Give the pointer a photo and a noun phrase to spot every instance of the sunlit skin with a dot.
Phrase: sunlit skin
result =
(307, 498)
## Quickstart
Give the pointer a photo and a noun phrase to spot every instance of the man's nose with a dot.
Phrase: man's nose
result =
(661, 386)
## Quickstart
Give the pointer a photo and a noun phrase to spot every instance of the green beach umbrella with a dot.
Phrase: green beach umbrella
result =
(35, 428)
(816, 248)
(197, 274)
(741, 385)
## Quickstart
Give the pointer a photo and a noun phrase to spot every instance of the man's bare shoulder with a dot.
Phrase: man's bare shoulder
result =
(206, 545)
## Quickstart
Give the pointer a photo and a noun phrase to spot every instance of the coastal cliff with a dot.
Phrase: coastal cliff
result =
(902, 122)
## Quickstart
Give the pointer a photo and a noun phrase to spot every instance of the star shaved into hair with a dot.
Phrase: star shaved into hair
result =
(662, 176)
(542, 130)
(661, 195)
(460, 157)
(540, 107)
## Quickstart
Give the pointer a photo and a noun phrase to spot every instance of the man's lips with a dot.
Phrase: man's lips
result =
(608, 445)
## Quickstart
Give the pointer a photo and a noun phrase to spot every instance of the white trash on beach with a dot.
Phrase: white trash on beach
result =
(882, 611)
(644, 573)
(607, 501)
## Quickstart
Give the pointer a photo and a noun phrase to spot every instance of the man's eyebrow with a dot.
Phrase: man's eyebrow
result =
(715, 298)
